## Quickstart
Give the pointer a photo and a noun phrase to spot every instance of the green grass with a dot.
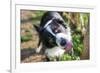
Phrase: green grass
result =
(26, 38)
(68, 57)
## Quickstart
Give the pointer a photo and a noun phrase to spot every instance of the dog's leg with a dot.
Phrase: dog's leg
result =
(39, 48)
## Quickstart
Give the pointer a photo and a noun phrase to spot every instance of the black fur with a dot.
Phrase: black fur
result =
(49, 40)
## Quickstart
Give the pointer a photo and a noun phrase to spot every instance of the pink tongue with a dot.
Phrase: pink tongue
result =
(68, 46)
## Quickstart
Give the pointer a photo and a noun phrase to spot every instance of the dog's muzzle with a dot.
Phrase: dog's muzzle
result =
(64, 41)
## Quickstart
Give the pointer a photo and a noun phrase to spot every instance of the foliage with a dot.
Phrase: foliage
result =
(68, 57)
(77, 38)
(26, 38)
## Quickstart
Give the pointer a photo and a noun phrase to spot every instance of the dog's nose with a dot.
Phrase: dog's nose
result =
(63, 42)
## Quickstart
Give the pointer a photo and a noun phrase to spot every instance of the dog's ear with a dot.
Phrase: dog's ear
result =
(63, 23)
(39, 44)
(37, 28)
(60, 21)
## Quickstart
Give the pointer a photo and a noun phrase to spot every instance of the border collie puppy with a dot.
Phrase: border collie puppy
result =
(54, 34)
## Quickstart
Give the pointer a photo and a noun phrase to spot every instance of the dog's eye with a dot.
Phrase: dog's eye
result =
(55, 26)
(57, 30)
(60, 21)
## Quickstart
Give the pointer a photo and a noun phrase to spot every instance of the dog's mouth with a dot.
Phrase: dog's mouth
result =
(64, 41)
(68, 46)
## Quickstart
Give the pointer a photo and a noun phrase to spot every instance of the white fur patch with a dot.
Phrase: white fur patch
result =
(54, 52)
(39, 48)
(48, 23)
(63, 35)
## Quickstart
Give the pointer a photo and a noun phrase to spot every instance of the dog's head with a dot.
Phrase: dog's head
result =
(54, 31)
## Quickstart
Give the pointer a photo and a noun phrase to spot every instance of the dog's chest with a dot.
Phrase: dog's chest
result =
(54, 52)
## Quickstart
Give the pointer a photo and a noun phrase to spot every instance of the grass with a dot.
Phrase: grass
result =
(26, 38)
(68, 57)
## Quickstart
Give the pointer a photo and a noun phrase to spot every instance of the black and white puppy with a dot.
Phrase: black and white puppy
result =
(55, 35)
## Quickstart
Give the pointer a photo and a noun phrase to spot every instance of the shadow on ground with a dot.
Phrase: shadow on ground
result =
(29, 55)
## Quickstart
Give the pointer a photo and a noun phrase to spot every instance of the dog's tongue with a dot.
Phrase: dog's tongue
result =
(68, 46)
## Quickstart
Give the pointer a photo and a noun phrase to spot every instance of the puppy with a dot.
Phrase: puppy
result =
(55, 35)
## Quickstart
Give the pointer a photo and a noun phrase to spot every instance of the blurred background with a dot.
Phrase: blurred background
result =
(78, 22)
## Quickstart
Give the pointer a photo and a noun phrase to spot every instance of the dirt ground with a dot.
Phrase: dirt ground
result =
(28, 47)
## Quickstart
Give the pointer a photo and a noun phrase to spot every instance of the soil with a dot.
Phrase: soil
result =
(28, 47)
